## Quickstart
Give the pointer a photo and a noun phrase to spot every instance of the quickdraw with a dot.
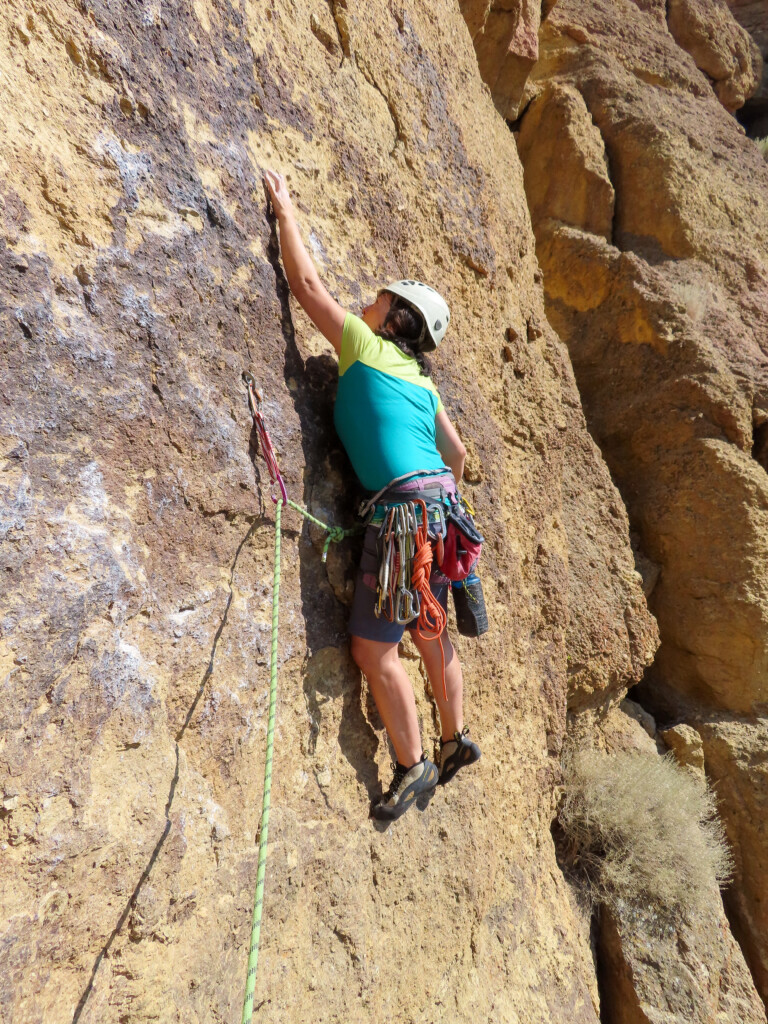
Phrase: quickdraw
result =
(335, 533)
(406, 545)
(397, 599)
(254, 401)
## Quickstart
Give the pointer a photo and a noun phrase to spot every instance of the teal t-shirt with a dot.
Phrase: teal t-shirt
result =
(385, 408)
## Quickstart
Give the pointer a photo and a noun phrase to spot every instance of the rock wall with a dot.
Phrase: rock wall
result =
(752, 15)
(506, 40)
(649, 209)
(720, 47)
(139, 278)
(651, 966)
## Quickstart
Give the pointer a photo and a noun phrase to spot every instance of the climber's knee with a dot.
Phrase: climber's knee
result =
(373, 657)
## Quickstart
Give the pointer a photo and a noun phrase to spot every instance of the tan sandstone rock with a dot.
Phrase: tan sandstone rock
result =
(505, 36)
(720, 46)
(666, 320)
(139, 278)
(613, 729)
(657, 966)
(752, 15)
(736, 755)
(685, 743)
(659, 971)
(566, 172)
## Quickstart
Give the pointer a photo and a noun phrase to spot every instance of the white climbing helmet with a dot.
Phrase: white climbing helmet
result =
(430, 304)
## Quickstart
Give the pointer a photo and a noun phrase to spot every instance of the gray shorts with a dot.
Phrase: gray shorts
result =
(363, 621)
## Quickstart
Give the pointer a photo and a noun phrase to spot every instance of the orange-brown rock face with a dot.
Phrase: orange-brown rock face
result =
(566, 169)
(140, 276)
(506, 40)
(726, 46)
(735, 753)
(649, 208)
(692, 972)
(665, 322)
(753, 16)
(655, 967)
(723, 50)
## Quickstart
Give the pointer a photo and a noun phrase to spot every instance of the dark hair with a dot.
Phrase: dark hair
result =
(404, 327)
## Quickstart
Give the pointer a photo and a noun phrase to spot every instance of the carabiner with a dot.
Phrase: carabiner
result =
(404, 607)
(384, 565)
(413, 522)
(437, 529)
(255, 397)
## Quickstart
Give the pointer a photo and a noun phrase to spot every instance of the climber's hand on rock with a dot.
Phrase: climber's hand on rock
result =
(278, 193)
(303, 280)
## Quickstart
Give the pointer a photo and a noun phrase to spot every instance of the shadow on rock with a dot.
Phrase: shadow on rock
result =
(333, 692)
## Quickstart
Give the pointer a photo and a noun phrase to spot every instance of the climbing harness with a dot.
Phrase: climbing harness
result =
(414, 532)
(335, 534)
(407, 531)
(367, 505)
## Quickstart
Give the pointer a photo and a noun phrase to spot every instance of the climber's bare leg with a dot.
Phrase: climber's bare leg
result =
(393, 693)
(451, 710)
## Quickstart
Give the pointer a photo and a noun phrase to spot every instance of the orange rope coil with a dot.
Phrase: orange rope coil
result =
(430, 607)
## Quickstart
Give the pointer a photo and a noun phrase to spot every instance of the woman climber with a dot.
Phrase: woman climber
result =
(393, 426)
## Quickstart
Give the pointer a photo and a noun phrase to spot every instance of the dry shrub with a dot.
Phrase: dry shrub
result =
(697, 298)
(642, 830)
(762, 145)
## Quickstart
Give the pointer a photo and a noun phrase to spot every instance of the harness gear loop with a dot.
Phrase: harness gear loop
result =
(367, 506)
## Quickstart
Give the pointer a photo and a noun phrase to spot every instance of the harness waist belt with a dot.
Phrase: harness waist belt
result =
(380, 513)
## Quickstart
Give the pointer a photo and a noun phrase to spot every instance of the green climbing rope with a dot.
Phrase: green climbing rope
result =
(253, 955)
(335, 534)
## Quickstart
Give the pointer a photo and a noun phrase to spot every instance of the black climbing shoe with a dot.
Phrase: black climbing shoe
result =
(456, 753)
(407, 784)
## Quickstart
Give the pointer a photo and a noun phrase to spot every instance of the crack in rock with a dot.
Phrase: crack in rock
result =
(171, 792)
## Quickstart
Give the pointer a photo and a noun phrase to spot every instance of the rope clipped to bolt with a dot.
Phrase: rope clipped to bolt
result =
(335, 534)
(255, 399)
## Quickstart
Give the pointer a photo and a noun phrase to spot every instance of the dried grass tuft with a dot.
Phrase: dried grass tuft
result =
(762, 145)
(697, 299)
(642, 830)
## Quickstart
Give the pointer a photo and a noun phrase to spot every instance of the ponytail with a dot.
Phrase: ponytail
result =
(404, 327)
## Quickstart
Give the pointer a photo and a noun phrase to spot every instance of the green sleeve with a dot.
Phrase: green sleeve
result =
(357, 341)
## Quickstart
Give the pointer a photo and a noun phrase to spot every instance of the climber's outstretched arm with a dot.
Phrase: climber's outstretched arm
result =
(303, 280)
